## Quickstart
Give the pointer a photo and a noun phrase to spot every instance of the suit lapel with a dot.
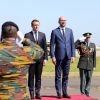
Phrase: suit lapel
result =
(60, 34)
(66, 34)
(32, 36)
(39, 36)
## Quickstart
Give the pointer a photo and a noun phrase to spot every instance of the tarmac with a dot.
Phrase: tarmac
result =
(48, 86)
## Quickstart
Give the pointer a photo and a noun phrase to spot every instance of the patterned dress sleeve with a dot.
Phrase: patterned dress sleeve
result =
(14, 62)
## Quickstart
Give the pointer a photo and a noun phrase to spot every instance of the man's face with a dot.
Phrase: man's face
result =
(35, 26)
(62, 21)
(88, 37)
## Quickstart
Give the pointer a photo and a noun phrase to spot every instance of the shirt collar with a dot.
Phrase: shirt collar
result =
(34, 32)
(62, 28)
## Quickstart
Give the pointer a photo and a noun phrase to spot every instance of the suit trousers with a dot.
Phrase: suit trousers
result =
(85, 80)
(61, 75)
(34, 77)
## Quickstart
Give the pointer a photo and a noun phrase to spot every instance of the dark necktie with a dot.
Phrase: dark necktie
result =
(36, 40)
(63, 33)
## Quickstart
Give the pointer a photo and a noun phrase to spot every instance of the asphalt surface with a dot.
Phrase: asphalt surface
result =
(48, 85)
(48, 88)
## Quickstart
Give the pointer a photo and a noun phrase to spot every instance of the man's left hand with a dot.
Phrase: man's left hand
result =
(72, 59)
(44, 62)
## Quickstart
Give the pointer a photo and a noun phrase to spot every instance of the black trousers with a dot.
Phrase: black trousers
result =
(34, 77)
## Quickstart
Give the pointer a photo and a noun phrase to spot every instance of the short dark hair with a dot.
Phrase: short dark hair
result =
(35, 20)
(9, 29)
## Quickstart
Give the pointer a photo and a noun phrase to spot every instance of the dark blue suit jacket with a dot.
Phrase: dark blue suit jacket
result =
(41, 42)
(60, 47)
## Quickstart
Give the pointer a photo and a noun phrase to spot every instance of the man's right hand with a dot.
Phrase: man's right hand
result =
(54, 60)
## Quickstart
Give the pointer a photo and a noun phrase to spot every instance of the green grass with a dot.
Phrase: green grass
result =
(97, 49)
(49, 67)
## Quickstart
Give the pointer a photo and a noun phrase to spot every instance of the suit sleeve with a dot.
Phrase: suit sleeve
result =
(52, 43)
(72, 45)
(45, 48)
(25, 36)
(94, 56)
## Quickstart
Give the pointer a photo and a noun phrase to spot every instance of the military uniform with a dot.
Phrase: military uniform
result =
(86, 64)
(14, 61)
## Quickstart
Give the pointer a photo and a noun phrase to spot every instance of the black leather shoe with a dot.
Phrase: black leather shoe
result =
(66, 96)
(38, 96)
(32, 94)
(88, 95)
(82, 94)
(59, 96)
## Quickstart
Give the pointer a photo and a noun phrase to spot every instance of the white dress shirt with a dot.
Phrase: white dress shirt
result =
(35, 35)
(61, 29)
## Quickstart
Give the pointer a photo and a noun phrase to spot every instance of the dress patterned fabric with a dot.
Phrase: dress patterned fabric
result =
(14, 61)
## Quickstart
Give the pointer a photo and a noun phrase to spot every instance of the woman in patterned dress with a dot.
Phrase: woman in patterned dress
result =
(14, 61)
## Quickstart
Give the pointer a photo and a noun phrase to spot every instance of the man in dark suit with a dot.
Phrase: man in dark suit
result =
(35, 70)
(87, 62)
(62, 51)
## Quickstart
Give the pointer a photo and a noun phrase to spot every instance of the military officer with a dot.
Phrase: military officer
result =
(87, 62)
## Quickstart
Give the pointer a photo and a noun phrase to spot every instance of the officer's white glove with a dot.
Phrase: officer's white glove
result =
(20, 37)
(82, 39)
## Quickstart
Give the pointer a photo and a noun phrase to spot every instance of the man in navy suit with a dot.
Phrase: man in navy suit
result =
(35, 70)
(62, 51)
